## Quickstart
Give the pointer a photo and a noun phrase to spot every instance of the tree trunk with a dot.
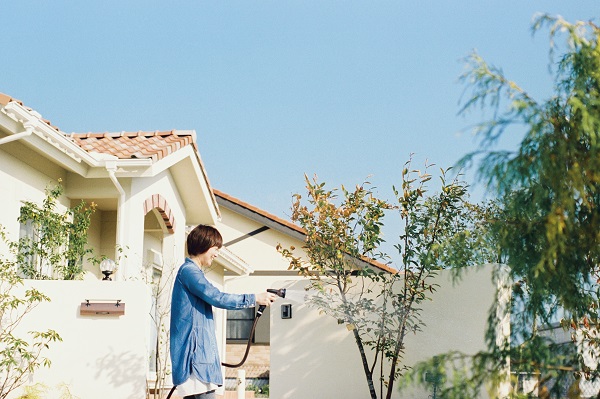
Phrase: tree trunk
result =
(359, 344)
(395, 360)
(365, 363)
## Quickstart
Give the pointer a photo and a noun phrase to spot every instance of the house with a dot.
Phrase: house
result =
(148, 186)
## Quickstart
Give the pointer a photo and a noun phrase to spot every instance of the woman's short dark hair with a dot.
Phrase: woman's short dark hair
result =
(203, 238)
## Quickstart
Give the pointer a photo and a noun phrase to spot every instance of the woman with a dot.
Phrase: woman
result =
(194, 355)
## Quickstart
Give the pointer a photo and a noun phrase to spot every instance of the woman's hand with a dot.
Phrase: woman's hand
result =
(265, 298)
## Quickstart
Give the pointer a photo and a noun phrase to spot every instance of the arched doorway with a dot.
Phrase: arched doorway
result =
(158, 270)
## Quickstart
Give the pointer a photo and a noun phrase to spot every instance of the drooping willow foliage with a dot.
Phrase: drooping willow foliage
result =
(549, 226)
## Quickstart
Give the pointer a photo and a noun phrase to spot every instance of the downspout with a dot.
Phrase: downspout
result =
(111, 168)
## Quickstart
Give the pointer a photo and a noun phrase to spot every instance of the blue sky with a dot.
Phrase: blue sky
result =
(276, 89)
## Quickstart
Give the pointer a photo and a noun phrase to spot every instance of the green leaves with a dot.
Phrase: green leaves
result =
(379, 303)
(19, 356)
(549, 192)
(53, 248)
(56, 243)
(339, 230)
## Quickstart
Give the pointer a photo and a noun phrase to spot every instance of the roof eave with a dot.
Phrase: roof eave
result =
(189, 173)
(259, 216)
(233, 263)
(54, 144)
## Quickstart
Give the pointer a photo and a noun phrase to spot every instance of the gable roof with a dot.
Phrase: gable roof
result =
(127, 145)
(123, 145)
(259, 215)
(5, 99)
(156, 146)
(277, 223)
(137, 154)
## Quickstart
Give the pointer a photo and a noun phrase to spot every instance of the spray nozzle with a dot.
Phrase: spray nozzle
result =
(279, 292)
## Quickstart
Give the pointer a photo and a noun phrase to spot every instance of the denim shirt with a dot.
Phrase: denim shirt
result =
(193, 341)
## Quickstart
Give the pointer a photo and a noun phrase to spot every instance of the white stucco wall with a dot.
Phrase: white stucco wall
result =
(314, 357)
(131, 237)
(260, 252)
(20, 182)
(100, 356)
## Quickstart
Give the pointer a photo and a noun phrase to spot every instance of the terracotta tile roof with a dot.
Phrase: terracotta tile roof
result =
(142, 145)
(5, 99)
(259, 211)
(127, 145)
(292, 226)
(124, 145)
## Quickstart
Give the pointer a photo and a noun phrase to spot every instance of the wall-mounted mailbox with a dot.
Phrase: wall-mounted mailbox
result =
(102, 308)
(286, 311)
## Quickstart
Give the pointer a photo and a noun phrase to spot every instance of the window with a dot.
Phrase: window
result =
(26, 241)
(239, 323)
(31, 263)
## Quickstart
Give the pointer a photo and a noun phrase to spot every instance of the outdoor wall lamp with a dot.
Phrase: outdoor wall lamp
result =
(107, 267)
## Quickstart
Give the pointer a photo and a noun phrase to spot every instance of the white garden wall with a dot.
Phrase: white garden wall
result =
(101, 356)
(314, 357)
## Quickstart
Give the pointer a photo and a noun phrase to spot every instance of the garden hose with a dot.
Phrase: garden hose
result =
(259, 312)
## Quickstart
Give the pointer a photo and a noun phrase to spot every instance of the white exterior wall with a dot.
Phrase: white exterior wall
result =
(100, 356)
(314, 357)
(25, 178)
(19, 182)
(140, 190)
(260, 252)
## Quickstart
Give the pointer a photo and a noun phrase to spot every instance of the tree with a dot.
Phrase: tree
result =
(380, 304)
(19, 356)
(549, 229)
(56, 243)
(54, 249)
(161, 285)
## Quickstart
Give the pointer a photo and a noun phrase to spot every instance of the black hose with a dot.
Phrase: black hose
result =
(234, 366)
